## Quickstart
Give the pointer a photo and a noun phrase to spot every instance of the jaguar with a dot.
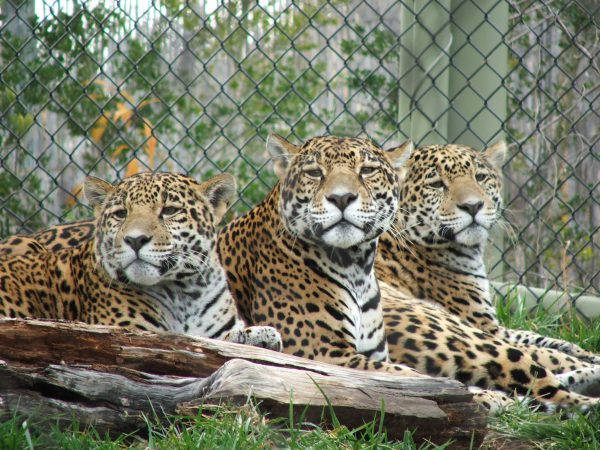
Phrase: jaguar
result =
(149, 264)
(302, 261)
(298, 262)
(450, 200)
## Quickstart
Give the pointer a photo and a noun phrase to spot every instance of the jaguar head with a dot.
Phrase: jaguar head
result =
(452, 194)
(338, 191)
(157, 227)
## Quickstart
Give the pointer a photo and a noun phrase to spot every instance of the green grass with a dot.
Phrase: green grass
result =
(564, 325)
(548, 432)
(226, 428)
(17, 433)
(540, 430)
(246, 428)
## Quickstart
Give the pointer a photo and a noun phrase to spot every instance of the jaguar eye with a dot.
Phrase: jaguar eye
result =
(120, 213)
(439, 184)
(169, 211)
(314, 173)
(367, 170)
(480, 177)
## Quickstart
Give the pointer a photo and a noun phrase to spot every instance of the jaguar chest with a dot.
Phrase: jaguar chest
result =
(365, 320)
(357, 301)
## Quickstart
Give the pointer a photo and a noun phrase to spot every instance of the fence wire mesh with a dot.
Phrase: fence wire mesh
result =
(109, 89)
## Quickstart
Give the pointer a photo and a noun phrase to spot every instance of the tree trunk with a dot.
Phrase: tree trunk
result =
(109, 377)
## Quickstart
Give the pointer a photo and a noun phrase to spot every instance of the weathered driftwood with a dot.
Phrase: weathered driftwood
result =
(109, 377)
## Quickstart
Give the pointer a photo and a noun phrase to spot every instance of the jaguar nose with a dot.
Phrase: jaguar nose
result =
(137, 242)
(342, 201)
(471, 208)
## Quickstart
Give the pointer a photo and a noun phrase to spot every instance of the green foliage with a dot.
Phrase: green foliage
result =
(551, 432)
(537, 430)
(371, 55)
(567, 325)
(20, 433)
(57, 73)
(51, 70)
(229, 428)
(553, 82)
(217, 428)
(131, 106)
(13, 434)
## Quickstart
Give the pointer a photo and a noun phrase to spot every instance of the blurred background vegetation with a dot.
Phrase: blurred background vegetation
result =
(90, 87)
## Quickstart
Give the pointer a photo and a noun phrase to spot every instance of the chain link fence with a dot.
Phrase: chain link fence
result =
(112, 88)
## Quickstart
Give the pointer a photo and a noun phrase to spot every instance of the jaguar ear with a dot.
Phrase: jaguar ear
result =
(281, 151)
(496, 154)
(96, 190)
(220, 191)
(398, 157)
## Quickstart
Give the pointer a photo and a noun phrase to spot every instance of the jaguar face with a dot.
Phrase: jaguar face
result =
(452, 194)
(157, 227)
(340, 192)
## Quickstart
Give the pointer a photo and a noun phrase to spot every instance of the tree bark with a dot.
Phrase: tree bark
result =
(109, 377)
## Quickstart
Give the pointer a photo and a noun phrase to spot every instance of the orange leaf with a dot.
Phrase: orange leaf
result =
(132, 168)
(148, 102)
(99, 129)
(101, 82)
(123, 113)
(150, 147)
(120, 149)
(128, 97)
(76, 192)
(147, 128)
(151, 150)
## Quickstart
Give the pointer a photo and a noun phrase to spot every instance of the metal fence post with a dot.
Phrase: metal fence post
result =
(477, 94)
(452, 68)
(424, 70)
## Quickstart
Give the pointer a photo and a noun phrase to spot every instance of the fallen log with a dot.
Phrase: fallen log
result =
(109, 377)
